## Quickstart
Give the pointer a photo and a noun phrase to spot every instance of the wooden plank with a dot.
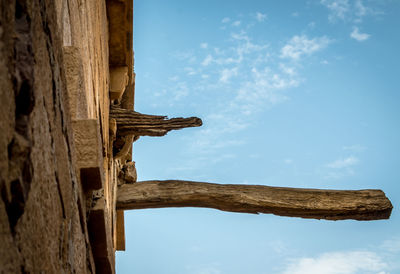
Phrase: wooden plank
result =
(369, 204)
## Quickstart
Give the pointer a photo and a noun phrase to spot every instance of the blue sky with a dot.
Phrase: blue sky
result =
(291, 93)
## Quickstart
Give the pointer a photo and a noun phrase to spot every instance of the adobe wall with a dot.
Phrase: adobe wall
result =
(58, 175)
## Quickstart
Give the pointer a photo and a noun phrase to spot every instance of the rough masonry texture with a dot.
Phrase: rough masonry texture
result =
(58, 175)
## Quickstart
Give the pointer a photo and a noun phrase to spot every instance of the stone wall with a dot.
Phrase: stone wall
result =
(58, 175)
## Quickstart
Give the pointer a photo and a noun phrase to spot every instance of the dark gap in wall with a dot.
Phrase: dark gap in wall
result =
(60, 194)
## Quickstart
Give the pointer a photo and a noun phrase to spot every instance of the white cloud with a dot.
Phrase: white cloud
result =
(356, 34)
(343, 163)
(338, 8)
(174, 78)
(261, 17)
(302, 45)
(180, 91)
(217, 135)
(341, 168)
(222, 157)
(355, 148)
(349, 262)
(288, 161)
(226, 20)
(262, 88)
(207, 60)
(279, 247)
(188, 56)
(226, 74)
(392, 245)
(260, 80)
(361, 10)
(236, 23)
(244, 48)
(346, 10)
(203, 45)
(240, 36)
(160, 93)
(190, 71)
(287, 69)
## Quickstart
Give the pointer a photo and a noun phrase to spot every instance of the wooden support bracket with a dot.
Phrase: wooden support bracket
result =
(369, 204)
(130, 122)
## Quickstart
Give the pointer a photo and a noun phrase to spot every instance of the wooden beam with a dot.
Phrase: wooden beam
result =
(369, 204)
(130, 122)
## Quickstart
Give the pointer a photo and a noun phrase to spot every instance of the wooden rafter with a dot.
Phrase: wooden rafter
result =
(130, 122)
(369, 204)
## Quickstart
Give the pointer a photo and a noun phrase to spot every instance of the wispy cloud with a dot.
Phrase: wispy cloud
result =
(218, 132)
(207, 60)
(225, 20)
(190, 71)
(301, 45)
(288, 161)
(340, 168)
(250, 77)
(348, 262)
(203, 45)
(357, 35)
(350, 11)
(343, 163)
(178, 91)
(290, 70)
(187, 56)
(361, 10)
(227, 74)
(260, 17)
(355, 148)
(262, 88)
(392, 245)
(174, 78)
(236, 23)
(181, 91)
(338, 8)
(253, 81)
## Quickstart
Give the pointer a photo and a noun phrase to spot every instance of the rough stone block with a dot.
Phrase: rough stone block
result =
(88, 148)
(77, 101)
(118, 81)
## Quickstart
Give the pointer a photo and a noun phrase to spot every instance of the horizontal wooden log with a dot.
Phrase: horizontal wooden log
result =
(130, 122)
(369, 204)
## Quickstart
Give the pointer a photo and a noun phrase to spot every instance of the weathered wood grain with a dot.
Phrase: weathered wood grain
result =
(130, 122)
(368, 204)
